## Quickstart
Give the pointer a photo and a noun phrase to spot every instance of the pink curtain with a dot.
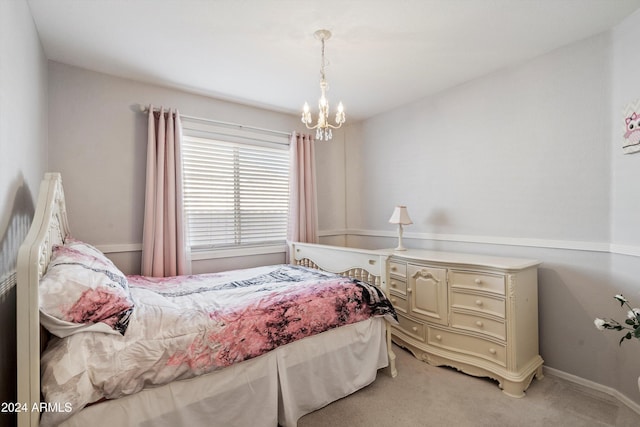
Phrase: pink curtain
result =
(303, 210)
(164, 246)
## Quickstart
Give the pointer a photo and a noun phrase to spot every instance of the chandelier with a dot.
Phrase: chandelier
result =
(323, 127)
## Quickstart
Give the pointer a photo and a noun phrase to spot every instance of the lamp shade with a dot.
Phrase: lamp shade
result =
(400, 216)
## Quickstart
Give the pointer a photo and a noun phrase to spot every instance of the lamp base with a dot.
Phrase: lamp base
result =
(400, 245)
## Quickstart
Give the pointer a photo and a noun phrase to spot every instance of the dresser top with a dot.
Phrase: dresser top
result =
(456, 258)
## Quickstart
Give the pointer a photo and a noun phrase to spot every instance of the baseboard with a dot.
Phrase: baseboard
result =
(635, 407)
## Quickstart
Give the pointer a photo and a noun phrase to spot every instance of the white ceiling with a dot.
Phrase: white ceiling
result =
(263, 52)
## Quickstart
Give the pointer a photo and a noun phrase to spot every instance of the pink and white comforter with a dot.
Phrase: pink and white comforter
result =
(186, 326)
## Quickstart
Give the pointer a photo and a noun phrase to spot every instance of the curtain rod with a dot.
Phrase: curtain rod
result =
(145, 109)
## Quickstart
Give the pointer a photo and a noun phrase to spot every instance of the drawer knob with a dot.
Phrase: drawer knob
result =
(409, 290)
(393, 300)
(479, 303)
(393, 284)
(478, 281)
(479, 324)
(415, 329)
(439, 337)
(492, 350)
(394, 268)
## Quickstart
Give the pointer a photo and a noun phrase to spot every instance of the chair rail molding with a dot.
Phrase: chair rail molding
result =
(605, 247)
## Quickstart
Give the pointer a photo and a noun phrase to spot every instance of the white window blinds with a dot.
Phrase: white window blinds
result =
(236, 189)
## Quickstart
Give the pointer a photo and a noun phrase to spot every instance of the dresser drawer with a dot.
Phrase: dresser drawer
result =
(477, 281)
(473, 346)
(398, 286)
(494, 328)
(398, 268)
(411, 328)
(399, 303)
(478, 303)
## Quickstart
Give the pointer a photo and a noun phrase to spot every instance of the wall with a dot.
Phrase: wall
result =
(626, 167)
(23, 144)
(534, 135)
(98, 142)
(519, 163)
(625, 203)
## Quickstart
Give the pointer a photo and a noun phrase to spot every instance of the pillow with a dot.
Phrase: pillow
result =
(83, 290)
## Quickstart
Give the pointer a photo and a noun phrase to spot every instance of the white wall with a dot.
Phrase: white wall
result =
(625, 202)
(518, 163)
(98, 142)
(23, 149)
(520, 153)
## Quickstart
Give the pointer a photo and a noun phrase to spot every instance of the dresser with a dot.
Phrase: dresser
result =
(478, 314)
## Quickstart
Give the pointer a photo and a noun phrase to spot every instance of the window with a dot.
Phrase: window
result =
(236, 187)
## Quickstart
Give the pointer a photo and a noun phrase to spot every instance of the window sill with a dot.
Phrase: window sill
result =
(198, 255)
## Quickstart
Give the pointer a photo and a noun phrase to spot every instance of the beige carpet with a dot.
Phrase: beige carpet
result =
(423, 395)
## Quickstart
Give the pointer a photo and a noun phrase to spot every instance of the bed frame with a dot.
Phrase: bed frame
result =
(50, 227)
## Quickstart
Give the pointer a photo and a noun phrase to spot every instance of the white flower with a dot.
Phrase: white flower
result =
(631, 326)
(620, 298)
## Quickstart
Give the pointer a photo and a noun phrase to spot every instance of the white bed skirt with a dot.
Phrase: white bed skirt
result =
(276, 388)
(329, 367)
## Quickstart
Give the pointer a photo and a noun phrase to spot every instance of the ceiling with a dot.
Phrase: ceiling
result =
(262, 52)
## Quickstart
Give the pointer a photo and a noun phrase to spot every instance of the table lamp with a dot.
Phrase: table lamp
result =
(400, 216)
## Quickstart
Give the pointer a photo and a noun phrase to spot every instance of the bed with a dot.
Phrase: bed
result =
(275, 386)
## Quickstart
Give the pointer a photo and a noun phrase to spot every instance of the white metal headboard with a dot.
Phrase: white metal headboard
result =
(49, 227)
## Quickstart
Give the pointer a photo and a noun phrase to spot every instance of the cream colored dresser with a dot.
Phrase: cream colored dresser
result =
(478, 314)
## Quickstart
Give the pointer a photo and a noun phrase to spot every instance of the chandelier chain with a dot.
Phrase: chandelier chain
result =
(323, 63)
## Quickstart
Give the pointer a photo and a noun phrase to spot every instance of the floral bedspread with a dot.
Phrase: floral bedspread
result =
(186, 326)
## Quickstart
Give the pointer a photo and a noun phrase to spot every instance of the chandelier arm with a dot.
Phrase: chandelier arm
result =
(334, 127)
(328, 125)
